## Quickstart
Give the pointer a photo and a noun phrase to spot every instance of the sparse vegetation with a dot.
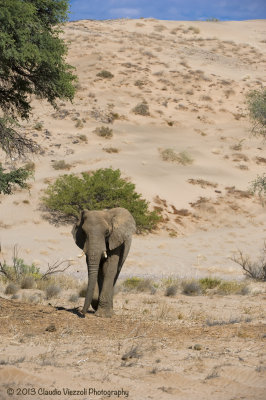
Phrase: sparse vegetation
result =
(104, 131)
(182, 158)
(253, 269)
(52, 291)
(19, 270)
(141, 109)
(11, 288)
(28, 282)
(258, 186)
(191, 288)
(138, 284)
(256, 101)
(61, 164)
(171, 290)
(209, 283)
(111, 150)
(105, 74)
(103, 188)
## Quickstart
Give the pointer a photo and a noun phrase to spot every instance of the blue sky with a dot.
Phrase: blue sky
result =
(168, 9)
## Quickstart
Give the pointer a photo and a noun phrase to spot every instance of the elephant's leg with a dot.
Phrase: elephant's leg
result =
(105, 307)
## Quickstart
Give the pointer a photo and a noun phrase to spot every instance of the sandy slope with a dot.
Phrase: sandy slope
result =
(193, 76)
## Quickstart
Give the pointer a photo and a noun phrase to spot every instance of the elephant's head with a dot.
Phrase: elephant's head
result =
(97, 233)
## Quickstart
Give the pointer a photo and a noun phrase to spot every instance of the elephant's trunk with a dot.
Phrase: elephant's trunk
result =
(92, 276)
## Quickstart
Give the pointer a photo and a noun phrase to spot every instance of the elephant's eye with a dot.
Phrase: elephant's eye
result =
(107, 232)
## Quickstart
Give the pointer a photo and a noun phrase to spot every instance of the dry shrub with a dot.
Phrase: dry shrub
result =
(253, 269)
(182, 158)
(111, 150)
(191, 288)
(141, 109)
(11, 288)
(104, 131)
(171, 290)
(27, 282)
(52, 291)
(61, 164)
(227, 288)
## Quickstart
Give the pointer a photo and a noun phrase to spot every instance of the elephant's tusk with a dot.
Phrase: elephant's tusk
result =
(105, 254)
(81, 255)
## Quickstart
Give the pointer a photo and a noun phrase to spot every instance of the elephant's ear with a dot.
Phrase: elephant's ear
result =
(123, 227)
(78, 233)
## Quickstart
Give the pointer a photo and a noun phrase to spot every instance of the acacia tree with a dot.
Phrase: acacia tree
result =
(32, 62)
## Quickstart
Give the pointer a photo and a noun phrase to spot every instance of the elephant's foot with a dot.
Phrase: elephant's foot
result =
(104, 313)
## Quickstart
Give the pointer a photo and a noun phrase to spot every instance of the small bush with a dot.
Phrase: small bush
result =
(27, 282)
(256, 100)
(171, 290)
(182, 158)
(209, 283)
(61, 164)
(258, 186)
(52, 291)
(38, 126)
(138, 284)
(103, 188)
(141, 109)
(105, 74)
(12, 288)
(104, 131)
(111, 150)
(226, 288)
(191, 288)
(83, 138)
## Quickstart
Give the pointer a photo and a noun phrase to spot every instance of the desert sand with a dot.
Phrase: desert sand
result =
(194, 77)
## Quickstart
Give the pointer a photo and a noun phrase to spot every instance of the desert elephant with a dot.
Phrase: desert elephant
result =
(105, 237)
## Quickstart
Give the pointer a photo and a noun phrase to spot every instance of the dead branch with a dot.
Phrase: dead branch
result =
(54, 268)
(255, 270)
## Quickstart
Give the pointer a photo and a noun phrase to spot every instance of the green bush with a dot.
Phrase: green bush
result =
(209, 283)
(256, 100)
(103, 188)
(19, 271)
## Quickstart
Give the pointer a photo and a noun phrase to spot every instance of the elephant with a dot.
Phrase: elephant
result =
(105, 238)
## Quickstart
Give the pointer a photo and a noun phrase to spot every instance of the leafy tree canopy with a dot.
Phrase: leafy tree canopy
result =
(103, 188)
(32, 62)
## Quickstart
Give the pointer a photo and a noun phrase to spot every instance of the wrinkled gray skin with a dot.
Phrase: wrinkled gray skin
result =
(105, 237)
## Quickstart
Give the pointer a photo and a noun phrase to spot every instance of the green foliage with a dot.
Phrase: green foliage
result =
(32, 54)
(256, 100)
(10, 179)
(209, 283)
(32, 62)
(103, 188)
(19, 270)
